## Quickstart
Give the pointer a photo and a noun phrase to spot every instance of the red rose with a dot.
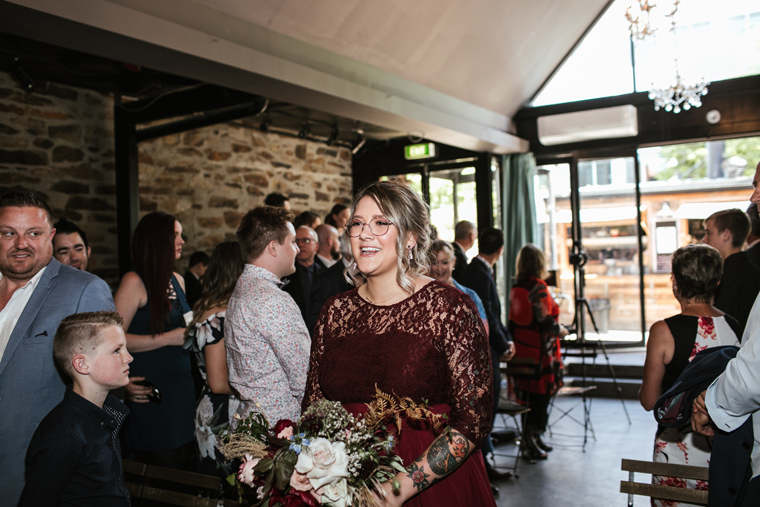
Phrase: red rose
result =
(292, 499)
(304, 496)
(282, 424)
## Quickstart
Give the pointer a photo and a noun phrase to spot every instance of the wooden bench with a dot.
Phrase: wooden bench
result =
(154, 485)
(692, 496)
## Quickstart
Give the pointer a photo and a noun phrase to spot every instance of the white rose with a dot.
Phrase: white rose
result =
(336, 494)
(323, 462)
(203, 433)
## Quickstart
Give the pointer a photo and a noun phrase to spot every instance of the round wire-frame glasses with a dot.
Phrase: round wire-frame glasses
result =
(377, 226)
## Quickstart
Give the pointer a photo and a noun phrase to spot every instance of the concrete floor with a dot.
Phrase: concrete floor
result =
(571, 477)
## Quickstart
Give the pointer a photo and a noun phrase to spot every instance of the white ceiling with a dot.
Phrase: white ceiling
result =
(491, 53)
(453, 71)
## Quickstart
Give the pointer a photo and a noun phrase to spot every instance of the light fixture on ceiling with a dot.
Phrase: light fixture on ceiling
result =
(638, 15)
(304, 130)
(362, 140)
(681, 95)
(20, 76)
(265, 123)
(333, 136)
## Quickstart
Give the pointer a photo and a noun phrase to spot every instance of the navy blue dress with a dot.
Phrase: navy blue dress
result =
(167, 425)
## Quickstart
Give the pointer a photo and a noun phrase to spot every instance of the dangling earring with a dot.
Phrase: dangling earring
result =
(411, 257)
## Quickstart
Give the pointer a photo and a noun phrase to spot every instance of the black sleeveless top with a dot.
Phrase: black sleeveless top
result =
(684, 331)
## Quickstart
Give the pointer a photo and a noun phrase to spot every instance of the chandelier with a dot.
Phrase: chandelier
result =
(679, 96)
(638, 15)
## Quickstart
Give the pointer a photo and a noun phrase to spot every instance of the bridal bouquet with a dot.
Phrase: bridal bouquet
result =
(328, 457)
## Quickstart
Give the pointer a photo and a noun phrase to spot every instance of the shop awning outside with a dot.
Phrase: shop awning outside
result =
(702, 210)
(592, 215)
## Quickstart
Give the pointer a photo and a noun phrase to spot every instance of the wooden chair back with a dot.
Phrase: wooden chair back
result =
(154, 485)
(692, 496)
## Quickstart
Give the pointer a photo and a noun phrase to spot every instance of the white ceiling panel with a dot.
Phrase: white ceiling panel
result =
(454, 71)
(491, 53)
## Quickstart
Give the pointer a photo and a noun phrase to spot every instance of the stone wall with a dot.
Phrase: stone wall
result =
(59, 142)
(209, 178)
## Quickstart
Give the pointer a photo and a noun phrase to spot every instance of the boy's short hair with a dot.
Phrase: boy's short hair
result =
(737, 223)
(64, 226)
(81, 333)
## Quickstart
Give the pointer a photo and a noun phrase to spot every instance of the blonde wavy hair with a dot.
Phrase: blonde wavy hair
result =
(409, 214)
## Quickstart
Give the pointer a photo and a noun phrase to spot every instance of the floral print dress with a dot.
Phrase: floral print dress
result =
(214, 411)
(683, 446)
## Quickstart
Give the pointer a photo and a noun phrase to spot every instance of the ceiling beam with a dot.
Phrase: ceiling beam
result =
(221, 51)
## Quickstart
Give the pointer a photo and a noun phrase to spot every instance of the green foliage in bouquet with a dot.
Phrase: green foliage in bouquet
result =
(329, 456)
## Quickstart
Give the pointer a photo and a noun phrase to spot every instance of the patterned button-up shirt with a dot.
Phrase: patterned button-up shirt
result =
(267, 346)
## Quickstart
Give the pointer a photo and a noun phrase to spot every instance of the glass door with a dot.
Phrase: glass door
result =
(606, 250)
(451, 194)
(609, 222)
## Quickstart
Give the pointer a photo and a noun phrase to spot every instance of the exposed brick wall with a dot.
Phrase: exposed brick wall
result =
(209, 178)
(59, 143)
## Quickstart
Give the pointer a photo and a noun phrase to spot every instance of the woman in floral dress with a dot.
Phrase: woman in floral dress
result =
(673, 343)
(205, 338)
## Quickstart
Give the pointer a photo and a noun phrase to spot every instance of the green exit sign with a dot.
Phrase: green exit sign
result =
(417, 151)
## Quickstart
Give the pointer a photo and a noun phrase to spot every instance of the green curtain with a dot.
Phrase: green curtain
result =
(519, 210)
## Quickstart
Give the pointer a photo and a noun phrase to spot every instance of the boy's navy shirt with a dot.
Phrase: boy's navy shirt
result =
(74, 457)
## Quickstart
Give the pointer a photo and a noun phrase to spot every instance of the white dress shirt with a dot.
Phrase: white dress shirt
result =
(327, 262)
(735, 395)
(14, 308)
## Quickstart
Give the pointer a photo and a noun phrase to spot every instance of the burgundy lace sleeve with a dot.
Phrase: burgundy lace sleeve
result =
(469, 363)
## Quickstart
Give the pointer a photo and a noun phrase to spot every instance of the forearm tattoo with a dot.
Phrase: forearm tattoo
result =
(418, 476)
(445, 454)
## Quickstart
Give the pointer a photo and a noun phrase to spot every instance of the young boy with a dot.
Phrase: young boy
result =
(74, 457)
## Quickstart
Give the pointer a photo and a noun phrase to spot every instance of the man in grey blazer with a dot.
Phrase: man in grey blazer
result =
(36, 293)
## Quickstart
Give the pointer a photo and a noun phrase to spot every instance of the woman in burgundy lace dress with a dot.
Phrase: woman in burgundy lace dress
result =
(412, 336)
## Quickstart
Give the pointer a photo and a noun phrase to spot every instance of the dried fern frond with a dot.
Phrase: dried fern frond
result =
(240, 444)
(390, 408)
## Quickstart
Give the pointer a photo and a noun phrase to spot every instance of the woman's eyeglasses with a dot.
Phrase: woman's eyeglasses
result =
(377, 226)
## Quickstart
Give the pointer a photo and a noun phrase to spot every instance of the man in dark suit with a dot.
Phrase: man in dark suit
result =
(727, 231)
(308, 266)
(465, 235)
(36, 293)
(479, 276)
(329, 283)
(753, 240)
(195, 271)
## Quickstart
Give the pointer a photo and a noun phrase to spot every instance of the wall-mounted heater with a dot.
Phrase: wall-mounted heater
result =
(606, 123)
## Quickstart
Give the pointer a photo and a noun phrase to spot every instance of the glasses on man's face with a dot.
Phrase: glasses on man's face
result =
(377, 226)
(303, 241)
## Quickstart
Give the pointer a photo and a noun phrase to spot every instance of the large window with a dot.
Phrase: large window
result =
(714, 41)
(681, 185)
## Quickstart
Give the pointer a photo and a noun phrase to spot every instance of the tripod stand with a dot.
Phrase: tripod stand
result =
(587, 348)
